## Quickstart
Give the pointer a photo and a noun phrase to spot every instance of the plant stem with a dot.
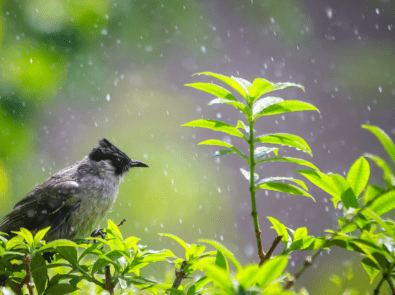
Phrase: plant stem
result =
(179, 276)
(377, 290)
(254, 212)
(269, 253)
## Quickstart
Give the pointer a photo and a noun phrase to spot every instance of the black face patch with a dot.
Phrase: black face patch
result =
(107, 151)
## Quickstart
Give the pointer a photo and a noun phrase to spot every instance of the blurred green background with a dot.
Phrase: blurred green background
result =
(74, 71)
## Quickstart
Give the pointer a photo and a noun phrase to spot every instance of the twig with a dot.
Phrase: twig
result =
(28, 278)
(109, 286)
(121, 223)
(389, 281)
(179, 276)
(269, 253)
(307, 262)
(377, 290)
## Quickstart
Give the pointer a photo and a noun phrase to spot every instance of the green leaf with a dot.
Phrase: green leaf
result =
(323, 181)
(230, 152)
(198, 285)
(261, 86)
(246, 85)
(57, 243)
(388, 175)
(223, 250)
(285, 188)
(285, 139)
(60, 289)
(241, 124)
(229, 81)
(222, 143)
(380, 222)
(302, 243)
(112, 226)
(384, 139)
(247, 174)
(289, 160)
(263, 151)
(264, 103)
(280, 229)
(213, 89)
(179, 241)
(221, 261)
(220, 278)
(280, 178)
(371, 192)
(346, 192)
(100, 264)
(371, 268)
(27, 235)
(40, 276)
(39, 236)
(358, 175)
(247, 276)
(271, 270)
(216, 126)
(196, 251)
(286, 107)
(90, 249)
(238, 105)
(300, 232)
(175, 292)
(68, 253)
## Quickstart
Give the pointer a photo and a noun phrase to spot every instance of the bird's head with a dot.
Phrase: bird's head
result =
(109, 153)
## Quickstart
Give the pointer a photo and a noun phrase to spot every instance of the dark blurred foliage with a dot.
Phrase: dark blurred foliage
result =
(75, 71)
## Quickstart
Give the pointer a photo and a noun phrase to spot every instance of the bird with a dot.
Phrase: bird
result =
(74, 200)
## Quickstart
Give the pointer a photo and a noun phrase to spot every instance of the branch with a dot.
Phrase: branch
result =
(269, 253)
(121, 223)
(109, 286)
(28, 278)
(307, 262)
(179, 276)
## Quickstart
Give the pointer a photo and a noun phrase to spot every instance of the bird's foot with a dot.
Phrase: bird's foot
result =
(98, 232)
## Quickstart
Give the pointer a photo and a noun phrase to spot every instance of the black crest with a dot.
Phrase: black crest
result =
(107, 151)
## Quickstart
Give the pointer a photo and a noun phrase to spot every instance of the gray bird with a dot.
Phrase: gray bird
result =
(74, 200)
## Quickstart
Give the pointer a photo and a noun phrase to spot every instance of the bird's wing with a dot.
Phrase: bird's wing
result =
(46, 205)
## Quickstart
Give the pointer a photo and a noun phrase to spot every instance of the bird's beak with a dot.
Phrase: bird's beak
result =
(135, 163)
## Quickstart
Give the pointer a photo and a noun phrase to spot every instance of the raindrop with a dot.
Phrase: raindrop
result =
(180, 221)
(380, 89)
(198, 109)
(108, 97)
(377, 11)
(369, 108)
(219, 190)
(221, 237)
(165, 172)
(249, 250)
(146, 229)
(148, 48)
(326, 208)
(203, 49)
(329, 13)
(103, 32)
(31, 60)
(219, 115)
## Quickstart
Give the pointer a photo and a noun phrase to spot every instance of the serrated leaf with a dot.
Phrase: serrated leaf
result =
(323, 181)
(289, 160)
(263, 151)
(271, 270)
(216, 126)
(213, 89)
(384, 139)
(285, 188)
(229, 81)
(285, 107)
(238, 105)
(247, 174)
(346, 192)
(358, 175)
(264, 103)
(280, 229)
(285, 139)
(281, 178)
(388, 175)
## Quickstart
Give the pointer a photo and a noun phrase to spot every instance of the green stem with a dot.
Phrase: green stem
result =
(377, 290)
(254, 212)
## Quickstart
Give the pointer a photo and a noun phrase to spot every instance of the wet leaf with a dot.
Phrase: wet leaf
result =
(358, 175)
(264, 103)
(238, 105)
(388, 175)
(281, 178)
(247, 174)
(285, 107)
(216, 126)
(213, 89)
(263, 151)
(285, 188)
(289, 160)
(285, 139)
(384, 139)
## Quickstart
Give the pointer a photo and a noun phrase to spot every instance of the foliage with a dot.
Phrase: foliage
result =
(113, 263)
